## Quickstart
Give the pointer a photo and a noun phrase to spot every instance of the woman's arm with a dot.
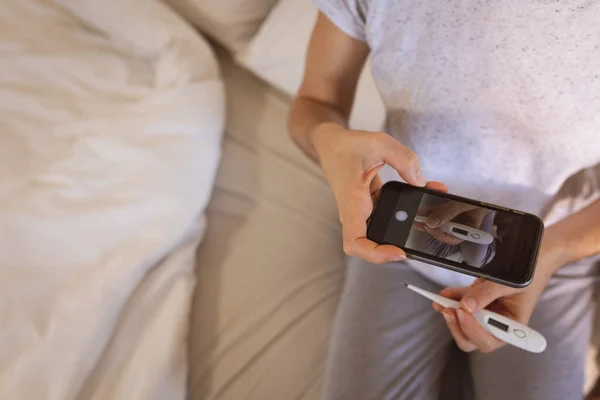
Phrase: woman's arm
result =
(350, 159)
(334, 62)
(574, 238)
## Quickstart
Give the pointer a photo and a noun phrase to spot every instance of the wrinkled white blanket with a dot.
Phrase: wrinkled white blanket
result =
(110, 121)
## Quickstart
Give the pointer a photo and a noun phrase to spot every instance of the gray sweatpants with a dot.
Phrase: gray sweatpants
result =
(388, 343)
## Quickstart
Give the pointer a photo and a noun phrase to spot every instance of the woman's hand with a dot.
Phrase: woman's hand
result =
(351, 161)
(464, 213)
(517, 304)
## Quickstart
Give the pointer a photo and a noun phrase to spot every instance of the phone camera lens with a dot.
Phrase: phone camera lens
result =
(401, 216)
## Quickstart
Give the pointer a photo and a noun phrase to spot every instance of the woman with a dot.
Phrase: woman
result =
(501, 102)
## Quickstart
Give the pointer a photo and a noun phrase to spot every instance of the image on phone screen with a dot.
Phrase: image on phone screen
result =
(465, 233)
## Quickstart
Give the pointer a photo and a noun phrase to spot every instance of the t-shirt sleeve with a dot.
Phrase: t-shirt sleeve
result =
(348, 15)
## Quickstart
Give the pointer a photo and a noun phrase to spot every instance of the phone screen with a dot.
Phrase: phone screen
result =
(462, 233)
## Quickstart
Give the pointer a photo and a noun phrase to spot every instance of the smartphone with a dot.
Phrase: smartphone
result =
(457, 233)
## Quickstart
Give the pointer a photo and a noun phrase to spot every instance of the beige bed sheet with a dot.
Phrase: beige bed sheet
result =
(270, 267)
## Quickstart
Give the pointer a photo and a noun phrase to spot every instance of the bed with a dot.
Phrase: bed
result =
(111, 114)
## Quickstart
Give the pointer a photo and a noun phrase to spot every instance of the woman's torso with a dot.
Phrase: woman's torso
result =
(500, 100)
(496, 98)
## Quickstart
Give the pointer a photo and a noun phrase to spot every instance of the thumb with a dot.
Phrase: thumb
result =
(481, 293)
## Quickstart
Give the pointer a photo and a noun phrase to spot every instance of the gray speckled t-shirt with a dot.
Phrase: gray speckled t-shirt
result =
(500, 99)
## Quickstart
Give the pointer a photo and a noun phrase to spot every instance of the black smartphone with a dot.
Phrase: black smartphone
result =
(453, 232)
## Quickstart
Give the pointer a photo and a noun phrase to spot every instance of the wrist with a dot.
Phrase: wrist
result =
(321, 134)
(556, 247)
(553, 253)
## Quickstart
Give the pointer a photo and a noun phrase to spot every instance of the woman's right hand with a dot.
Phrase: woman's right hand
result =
(351, 161)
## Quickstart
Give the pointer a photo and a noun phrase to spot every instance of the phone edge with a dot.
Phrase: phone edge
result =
(469, 273)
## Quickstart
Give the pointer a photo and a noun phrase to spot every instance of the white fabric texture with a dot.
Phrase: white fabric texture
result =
(277, 54)
(231, 22)
(110, 126)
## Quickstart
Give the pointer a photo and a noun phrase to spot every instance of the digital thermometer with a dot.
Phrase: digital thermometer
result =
(461, 231)
(505, 329)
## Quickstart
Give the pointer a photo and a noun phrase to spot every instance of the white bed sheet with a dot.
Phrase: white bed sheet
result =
(111, 115)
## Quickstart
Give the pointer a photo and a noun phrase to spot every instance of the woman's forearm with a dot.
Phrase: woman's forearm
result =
(307, 114)
(334, 62)
(574, 238)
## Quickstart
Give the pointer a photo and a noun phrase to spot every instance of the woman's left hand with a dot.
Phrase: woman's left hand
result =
(517, 304)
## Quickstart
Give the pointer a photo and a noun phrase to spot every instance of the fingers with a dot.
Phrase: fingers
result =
(374, 253)
(357, 245)
(353, 214)
(454, 293)
(419, 226)
(437, 186)
(446, 212)
(467, 332)
(433, 185)
(424, 211)
(355, 210)
(462, 341)
(442, 214)
(475, 333)
(465, 329)
(481, 293)
(405, 162)
(402, 159)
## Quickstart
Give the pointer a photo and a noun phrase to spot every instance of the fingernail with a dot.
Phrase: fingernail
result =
(398, 258)
(460, 314)
(447, 317)
(420, 179)
(469, 303)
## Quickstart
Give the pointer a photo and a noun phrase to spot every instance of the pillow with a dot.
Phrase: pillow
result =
(277, 54)
(231, 22)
